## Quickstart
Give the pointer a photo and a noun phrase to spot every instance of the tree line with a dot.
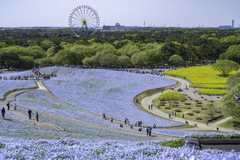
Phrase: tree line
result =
(25, 48)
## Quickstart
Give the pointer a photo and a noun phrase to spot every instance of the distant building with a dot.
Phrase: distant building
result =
(225, 27)
(118, 27)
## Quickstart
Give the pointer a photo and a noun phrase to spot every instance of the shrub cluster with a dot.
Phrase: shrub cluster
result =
(212, 91)
(172, 96)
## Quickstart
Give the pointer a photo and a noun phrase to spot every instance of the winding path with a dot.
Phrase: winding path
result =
(33, 122)
(190, 92)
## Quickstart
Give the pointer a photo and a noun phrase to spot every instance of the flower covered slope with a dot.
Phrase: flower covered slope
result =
(9, 85)
(109, 92)
(38, 100)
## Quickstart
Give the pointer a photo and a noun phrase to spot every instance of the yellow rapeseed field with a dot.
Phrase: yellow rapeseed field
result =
(212, 91)
(202, 77)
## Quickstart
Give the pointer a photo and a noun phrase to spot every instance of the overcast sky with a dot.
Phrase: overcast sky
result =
(185, 13)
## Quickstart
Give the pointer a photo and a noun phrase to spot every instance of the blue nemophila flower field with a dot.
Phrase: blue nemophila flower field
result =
(9, 85)
(110, 92)
(18, 148)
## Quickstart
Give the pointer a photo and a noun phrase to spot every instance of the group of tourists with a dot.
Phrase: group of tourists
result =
(3, 111)
(14, 78)
(150, 107)
(30, 114)
(40, 75)
(149, 131)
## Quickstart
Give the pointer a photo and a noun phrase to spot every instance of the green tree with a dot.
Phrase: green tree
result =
(211, 111)
(176, 59)
(46, 44)
(232, 53)
(230, 105)
(154, 57)
(139, 59)
(233, 80)
(35, 52)
(26, 62)
(225, 66)
(9, 60)
(87, 61)
(3, 45)
(124, 61)
(109, 60)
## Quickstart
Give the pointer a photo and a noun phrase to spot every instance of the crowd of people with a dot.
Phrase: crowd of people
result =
(3, 111)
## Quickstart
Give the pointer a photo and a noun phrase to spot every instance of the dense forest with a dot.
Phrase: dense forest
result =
(26, 48)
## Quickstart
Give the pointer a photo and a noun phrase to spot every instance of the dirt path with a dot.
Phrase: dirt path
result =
(190, 92)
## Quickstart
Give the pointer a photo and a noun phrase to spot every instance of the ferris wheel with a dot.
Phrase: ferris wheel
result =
(83, 20)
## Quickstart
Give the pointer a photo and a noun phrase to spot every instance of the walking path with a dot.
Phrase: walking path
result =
(191, 92)
(195, 96)
(116, 122)
(33, 122)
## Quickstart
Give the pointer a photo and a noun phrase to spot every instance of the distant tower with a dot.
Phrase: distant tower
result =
(144, 24)
(233, 23)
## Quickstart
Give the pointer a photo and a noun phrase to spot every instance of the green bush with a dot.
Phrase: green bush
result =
(178, 110)
(172, 96)
(212, 91)
(172, 143)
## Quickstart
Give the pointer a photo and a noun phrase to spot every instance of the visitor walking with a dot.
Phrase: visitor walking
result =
(111, 120)
(169, 115)
(147, 131)
(217, 129)
(154, 126)
(30, 113)
(207, 123)
(182, 115)
(15, 106)
(150, 131)
(3, 112)
(37, 116)
(151, 106)
(8, 105)
(137, 100)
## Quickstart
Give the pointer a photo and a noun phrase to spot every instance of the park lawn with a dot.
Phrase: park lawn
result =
(202, 77)
(232, 123)
(203, 113)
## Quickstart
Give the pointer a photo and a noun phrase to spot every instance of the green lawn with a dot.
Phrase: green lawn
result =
(191, 108)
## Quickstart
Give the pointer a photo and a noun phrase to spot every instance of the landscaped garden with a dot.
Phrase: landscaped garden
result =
(195, 110)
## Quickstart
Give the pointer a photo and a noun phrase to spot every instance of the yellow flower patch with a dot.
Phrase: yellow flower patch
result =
(202, 77)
